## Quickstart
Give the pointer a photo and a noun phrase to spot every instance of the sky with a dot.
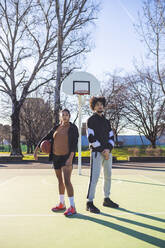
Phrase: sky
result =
(116, 41)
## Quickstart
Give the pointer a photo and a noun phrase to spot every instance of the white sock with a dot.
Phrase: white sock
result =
(71, 199)
(62, 198)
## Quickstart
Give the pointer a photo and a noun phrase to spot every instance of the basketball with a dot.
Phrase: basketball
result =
(45, 146)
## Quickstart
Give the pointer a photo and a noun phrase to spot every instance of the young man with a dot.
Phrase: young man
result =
(101, 140)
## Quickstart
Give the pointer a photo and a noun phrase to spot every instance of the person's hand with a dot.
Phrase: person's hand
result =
(68, 162)
(36, 153)
(106, 154)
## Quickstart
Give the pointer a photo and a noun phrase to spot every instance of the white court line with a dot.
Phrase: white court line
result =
(118, 182)
(58, 214)
(8, 180)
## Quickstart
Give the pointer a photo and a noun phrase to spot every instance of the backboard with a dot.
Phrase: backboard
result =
(82, 83)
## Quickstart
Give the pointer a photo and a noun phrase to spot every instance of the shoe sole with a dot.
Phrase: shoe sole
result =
(68, 215)
(59, 210)
(92, 211)
(105, 205)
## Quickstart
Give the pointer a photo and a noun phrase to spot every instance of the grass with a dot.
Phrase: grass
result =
(26, 156)
(119, 153)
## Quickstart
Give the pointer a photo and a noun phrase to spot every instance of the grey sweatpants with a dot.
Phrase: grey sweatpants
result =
(97, 161)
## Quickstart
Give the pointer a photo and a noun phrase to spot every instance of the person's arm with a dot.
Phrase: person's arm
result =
(91, 135)
(70, 159)
(73, 148)
(111, 138)
(75, 139)
(110, 145)
(36, 152)
(46, 137)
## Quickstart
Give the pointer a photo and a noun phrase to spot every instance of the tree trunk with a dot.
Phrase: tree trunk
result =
(28, 148)
(153, 142)
(57, 105)
(31, 148)
(141, 139)
(116, 135)
(15, 140)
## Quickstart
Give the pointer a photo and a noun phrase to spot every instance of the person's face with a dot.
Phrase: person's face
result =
(99, 108)
(64, 116)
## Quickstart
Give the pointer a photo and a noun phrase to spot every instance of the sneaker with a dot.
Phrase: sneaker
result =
(108, 203)
(59, 207)
(70, 211)
(91, 207)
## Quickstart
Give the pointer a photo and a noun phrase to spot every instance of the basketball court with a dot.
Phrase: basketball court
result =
(29, 191)
(27, 196)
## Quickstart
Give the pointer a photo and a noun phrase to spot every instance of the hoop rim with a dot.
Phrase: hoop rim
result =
(81, 93)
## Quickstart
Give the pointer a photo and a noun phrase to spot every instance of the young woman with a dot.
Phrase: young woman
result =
(64, 138)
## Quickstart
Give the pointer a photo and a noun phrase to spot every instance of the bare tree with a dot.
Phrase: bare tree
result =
(144, 107)
(152, 31)
(5, 133)
(36, 118)
(73, 17)
(114, 90)
(5, 108)
(27, 49)
(34, 35)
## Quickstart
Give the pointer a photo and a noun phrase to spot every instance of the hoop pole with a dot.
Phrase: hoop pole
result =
(79, 140)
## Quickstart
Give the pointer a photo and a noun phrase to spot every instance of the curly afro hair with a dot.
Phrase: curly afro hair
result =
(94, 100)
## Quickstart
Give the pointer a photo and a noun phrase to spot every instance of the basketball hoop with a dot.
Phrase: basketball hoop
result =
(81, 92)
(81, 87)
(81, 84)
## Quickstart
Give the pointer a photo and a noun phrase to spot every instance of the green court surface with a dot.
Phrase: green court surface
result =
(26, 220)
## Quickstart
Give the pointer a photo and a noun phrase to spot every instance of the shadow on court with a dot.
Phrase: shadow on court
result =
(139, 182)
(140, 168)
(142, 215)
(131, 232)
(130, 181)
